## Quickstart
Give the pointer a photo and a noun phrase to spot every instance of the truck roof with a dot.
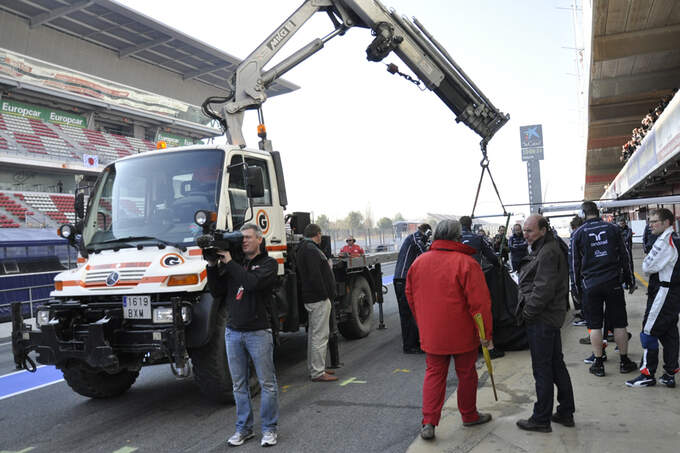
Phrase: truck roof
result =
(222, 146)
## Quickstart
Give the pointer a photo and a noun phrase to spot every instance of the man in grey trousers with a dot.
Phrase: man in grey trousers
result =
(317, 289)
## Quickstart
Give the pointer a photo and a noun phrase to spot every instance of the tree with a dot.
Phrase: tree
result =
(354, 219)
(323, 223)
(398, 217)
(368, 217)
(385, 224)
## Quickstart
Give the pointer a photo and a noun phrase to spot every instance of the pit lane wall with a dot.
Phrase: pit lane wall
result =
(660, 145)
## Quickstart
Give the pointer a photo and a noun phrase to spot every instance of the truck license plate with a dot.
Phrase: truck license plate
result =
(137, 307)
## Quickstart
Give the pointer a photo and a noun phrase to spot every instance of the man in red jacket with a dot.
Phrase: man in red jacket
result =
(445, 288)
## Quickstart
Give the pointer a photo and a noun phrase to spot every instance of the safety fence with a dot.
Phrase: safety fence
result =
(32, 290)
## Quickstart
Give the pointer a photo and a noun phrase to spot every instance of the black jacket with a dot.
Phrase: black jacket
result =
(518, 247)
(480, 245)
(598, 255)
(247, 290)
(414, 245)
(544, 283)
(317, 282)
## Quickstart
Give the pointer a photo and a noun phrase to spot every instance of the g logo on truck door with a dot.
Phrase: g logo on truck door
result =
(263, 221)
(171, 259)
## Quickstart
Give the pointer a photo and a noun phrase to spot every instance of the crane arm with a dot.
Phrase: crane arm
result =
(409, 40)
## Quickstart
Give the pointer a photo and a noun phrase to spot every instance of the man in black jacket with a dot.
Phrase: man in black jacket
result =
(317, 285)
(543, 292)
(518, 246)
(247, 290)
(600, 264)
(484, 250)
(413, 246)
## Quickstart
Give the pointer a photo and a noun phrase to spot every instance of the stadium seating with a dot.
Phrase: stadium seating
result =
(41, 139)
(57, 207)
(14, 208)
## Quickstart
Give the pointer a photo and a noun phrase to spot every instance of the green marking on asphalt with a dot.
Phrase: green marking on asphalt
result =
(401, 370)
(126, 450)
(351, 380)
(17, 451)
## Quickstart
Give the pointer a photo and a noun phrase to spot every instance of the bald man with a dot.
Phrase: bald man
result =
(543, 292)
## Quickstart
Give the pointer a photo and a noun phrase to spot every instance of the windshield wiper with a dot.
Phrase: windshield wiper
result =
(145, 238)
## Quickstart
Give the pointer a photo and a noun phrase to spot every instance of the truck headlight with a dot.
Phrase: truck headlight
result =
(42, 318)
(163, 315)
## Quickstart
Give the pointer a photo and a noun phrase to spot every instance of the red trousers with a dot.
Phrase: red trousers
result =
(434, 386)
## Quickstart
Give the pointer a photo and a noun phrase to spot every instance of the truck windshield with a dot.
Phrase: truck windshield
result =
(152, 199)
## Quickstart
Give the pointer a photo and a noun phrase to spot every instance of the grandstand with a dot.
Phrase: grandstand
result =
(83, 84)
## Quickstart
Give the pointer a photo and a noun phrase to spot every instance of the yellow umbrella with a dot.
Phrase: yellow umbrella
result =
(487, 358)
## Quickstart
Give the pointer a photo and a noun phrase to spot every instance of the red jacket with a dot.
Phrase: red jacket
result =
(352, 250)
(445, 287)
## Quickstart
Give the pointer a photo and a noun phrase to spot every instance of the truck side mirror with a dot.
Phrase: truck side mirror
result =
(255, 185)
(79, 205)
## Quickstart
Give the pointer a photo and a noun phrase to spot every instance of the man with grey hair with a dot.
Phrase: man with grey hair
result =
(247, 291)
(445, 288)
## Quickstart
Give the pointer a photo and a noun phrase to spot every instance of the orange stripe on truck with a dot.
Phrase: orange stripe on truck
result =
(277, 248)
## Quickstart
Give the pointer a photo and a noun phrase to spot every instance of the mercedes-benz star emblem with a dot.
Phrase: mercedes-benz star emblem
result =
(112, 279)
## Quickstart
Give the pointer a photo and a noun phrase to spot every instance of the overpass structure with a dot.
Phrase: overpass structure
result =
(634, 56)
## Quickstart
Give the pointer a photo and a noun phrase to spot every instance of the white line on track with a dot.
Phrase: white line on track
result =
(28, 390)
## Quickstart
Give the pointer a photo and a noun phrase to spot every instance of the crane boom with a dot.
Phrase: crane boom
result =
(408, 39)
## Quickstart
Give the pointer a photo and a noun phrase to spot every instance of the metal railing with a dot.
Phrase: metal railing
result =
(32, 302)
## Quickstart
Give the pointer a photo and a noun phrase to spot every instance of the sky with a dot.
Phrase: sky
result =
(354, 137)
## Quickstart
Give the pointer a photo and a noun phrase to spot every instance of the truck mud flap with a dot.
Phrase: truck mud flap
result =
(202, 324)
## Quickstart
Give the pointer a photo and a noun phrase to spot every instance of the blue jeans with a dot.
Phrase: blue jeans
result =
(550, 371)
(259, 346)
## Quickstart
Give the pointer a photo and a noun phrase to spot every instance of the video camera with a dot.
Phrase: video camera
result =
(214, 240)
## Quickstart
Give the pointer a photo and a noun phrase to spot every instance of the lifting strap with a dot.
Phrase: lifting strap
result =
(484, 163)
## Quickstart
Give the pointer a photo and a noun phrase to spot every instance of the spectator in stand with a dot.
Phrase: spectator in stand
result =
(518, 247)
(352, 248)
(445, 288)
(413, 246)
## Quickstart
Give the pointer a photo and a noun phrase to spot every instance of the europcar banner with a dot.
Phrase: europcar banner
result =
(43, 114)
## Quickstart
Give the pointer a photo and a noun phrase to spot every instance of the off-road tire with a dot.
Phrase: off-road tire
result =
(210, 366)
(94, 383)
(360, 320)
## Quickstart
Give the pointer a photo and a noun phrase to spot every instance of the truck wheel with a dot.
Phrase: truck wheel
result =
(360, 321)
(93, 383)
(211, 369)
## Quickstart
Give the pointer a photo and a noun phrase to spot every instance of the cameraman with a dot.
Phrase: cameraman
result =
(247, 290)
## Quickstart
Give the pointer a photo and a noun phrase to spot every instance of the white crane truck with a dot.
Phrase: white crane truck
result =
(139, 296)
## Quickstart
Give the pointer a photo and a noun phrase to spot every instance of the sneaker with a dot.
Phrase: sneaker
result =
(496, 353)
(239, 438)
(530, 425)
(591, 358)
(578, 322)
(427, 432)
(668, 380)
(563, 419)
(585, 340)
(268, 439)
(627, 366)
(642, 381)
(597, 370)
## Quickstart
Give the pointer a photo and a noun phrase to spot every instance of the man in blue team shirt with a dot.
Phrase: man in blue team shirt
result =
(484, 251)
(414, 245)
(600, 263)
(519, 247)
